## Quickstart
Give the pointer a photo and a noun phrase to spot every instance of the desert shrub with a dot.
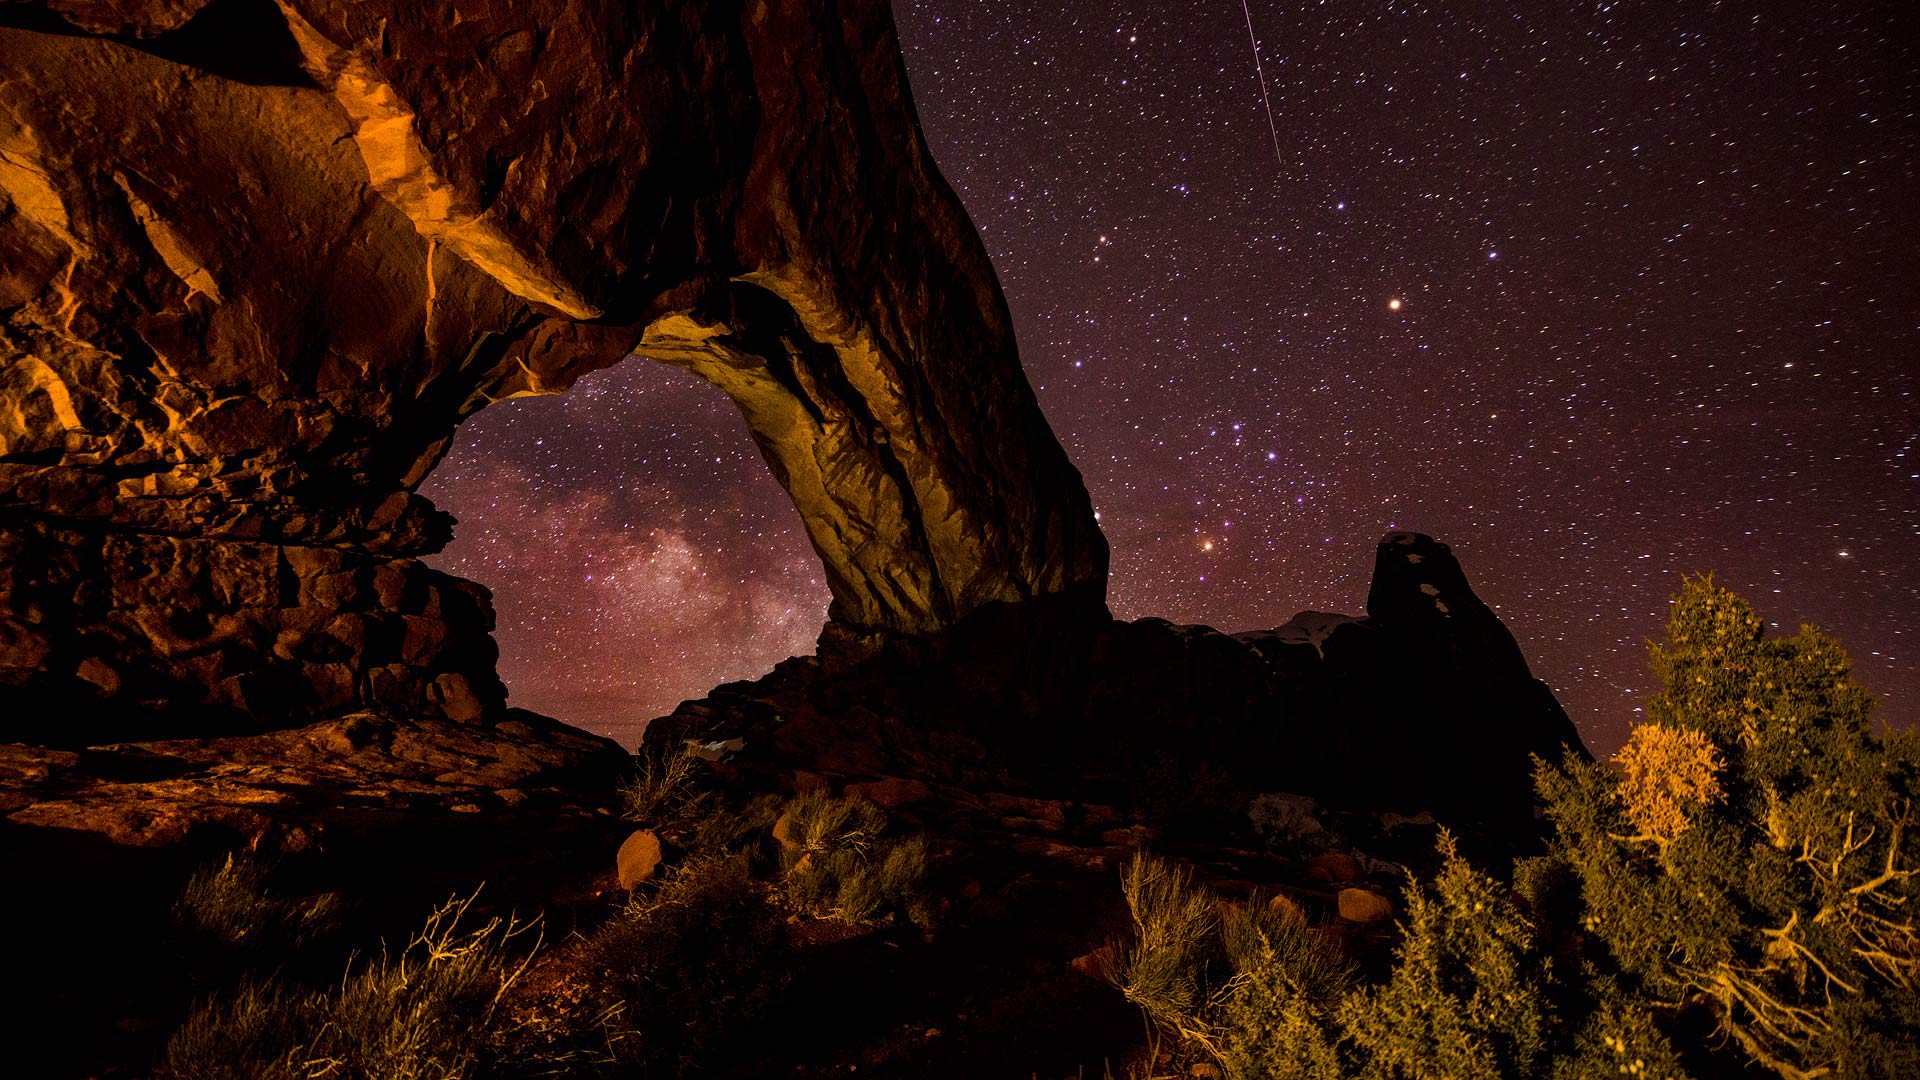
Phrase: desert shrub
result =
(816, 823)
(1620, 1039)
(863, 884)
(228, 905)
(1468, 993)
(664, 789)
(723, 831)
(1287, 824)
(1275, 1013)
(1163, 967)
(424, 1012)
(1751, 848)
(1246, 985)
(687, 968)
(840, 863)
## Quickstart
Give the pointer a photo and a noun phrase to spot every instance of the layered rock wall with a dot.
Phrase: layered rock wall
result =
(257, 259)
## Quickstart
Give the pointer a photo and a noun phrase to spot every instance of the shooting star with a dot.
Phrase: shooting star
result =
(1272, 128)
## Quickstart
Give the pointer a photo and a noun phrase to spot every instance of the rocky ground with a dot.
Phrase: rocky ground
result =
(998, 970)
(394, 814)
(1032, 752)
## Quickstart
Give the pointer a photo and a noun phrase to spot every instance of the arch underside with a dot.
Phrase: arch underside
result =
(258, 260)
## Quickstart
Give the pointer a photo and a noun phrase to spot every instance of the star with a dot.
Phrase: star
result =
(1393, 304)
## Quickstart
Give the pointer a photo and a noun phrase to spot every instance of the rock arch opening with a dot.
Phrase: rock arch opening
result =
(637, 548)
(233, 345)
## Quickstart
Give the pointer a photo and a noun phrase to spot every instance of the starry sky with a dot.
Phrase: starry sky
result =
(1598, 293)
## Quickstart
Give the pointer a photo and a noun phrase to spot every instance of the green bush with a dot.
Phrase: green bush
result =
(1275, 1012)
(1620, 1039)
(1751, 850)
(1468, 993)
(1248, 986)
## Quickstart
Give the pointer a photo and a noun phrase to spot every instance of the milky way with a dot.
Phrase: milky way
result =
(1599, 294)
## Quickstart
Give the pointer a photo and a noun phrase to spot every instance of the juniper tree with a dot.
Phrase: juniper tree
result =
(1751, 850)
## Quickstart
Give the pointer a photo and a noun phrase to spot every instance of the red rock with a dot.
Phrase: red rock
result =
(639, 859)
(258, 790)
(1019, 806)
(1284, 906)
(784, 828)
(892, 792)
(1361, 906)
(1094, 965)
(1333, 866)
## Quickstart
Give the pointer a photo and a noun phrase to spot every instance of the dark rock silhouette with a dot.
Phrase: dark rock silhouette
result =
(1425, 703)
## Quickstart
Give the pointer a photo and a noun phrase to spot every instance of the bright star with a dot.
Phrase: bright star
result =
(1393, 304)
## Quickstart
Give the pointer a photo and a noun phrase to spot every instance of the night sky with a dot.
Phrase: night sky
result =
(1599, 294)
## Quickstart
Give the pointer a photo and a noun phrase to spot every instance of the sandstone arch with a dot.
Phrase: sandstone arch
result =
(258, 259)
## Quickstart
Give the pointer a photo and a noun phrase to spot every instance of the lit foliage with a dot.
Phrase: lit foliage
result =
(1774, 882)
(1249, 986)
(1619, 1040)
(424, 1012)
(840, 863)
(1745, 861)
(1468, 994)
(1667, 775)
(1267, 998)
(229, 905)
(663, 790)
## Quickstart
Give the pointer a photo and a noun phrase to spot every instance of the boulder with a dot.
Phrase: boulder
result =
(1096, 965)
(1287, 908)
(1333, 866)
(891, 792)
(785, 829)
(1361, 906)
(639, 859)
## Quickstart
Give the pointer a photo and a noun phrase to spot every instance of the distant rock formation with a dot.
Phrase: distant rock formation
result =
(1426, 703)
(258, 259)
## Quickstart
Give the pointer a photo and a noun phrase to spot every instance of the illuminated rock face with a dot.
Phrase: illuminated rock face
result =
(258, 259)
